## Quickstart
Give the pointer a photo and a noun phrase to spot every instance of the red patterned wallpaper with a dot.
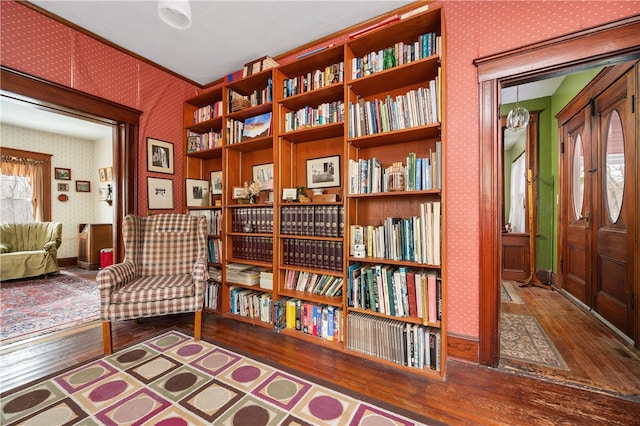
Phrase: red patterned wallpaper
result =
(39, 46)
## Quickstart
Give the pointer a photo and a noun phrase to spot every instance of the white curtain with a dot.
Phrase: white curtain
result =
(518, 194)
(22, 202)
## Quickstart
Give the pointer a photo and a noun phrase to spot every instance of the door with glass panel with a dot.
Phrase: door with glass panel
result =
(613, 227)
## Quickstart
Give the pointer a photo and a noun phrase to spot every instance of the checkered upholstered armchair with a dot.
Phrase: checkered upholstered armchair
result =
(164, 271)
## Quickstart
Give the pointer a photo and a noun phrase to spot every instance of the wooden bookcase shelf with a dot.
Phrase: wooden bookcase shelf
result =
(316, 103)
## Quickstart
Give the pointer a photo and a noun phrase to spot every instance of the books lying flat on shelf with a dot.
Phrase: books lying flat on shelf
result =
(240, 273)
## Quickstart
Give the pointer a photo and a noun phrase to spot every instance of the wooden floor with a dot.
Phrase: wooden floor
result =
(470, 394)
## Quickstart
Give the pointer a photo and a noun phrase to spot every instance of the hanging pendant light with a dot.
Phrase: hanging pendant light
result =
(175, 13)
(518, 117)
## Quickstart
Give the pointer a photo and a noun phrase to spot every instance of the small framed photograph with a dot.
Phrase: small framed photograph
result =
(102, 194)
(160, 193)
(109, 173)
(237, 192)
(197, 193)
(216, 182)
(263, 173)
(323, 172)
(62, 173)
(63, 187)
(159, 156)
(102, 174)
(290, 194)
(83, 186)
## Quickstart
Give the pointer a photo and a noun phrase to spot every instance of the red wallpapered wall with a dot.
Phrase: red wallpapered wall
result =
(39, 46)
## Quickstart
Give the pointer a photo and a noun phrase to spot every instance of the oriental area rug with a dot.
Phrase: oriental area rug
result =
(522, 338)
(173, 380)
(37, 306)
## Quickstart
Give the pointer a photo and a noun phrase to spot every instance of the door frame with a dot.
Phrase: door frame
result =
(54, 97)
(603, 45)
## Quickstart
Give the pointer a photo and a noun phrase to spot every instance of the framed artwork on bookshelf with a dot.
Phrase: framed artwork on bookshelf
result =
(216, 182)
(263, 173)
(258, 126)
(237, 192)
(197, 192)
(83, 186)
(290, 194)
(323, 172)
(62, 173)
(160, 193)
(159, 156)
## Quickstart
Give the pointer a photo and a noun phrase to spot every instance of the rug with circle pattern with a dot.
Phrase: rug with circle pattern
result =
(173, 380)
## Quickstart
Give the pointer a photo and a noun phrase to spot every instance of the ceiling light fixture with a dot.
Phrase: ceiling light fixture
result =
(518, 117)
(175, 13)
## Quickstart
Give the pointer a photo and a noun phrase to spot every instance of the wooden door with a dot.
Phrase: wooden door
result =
(576, 197)
(614, 193)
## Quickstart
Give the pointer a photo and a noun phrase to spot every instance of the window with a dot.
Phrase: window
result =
(25, 186)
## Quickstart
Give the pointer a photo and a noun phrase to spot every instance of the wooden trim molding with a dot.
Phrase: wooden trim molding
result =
(611, 43)
(464, 348)
(55, 97)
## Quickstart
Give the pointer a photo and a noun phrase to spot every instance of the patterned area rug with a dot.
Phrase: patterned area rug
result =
(172, 380)
(509, 294)
(522, 338)
(33, 307)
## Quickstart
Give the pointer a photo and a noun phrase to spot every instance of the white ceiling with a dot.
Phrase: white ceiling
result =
(224, 35)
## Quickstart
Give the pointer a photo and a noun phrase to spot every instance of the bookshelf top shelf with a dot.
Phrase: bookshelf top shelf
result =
(206, 153)
(215, 124)
(310, 61)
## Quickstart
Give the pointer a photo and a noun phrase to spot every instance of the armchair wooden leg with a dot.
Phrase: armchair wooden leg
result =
(197, 326)
(107, 343)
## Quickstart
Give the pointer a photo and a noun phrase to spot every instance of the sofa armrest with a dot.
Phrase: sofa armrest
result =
(5, 248)
(50, 246)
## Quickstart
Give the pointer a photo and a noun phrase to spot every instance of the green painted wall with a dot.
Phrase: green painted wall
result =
(548, 162)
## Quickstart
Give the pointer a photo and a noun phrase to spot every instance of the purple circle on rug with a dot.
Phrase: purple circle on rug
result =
(26, 401)
(189, 350)
(246, 373)
(108, 390)
(325, 407)
(251, 415)
(172, 421)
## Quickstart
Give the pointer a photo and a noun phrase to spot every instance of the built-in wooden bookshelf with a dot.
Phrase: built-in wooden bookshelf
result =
(347, 120)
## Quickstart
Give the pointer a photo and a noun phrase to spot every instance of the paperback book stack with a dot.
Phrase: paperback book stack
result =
(240, 273)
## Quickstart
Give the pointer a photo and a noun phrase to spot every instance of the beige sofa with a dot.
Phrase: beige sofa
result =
(29, 249)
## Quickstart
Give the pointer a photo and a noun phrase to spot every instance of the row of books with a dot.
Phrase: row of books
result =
(214, 250)
(252, 248)
(312, 253)
(214, 220)
(212, 295)
(251, 303)
(326, 113)
(309, 318)
(399, 54)
(417, 107)
(411, 345)
(256, 97)
(425, 173)
(316, 220)
(321, 284)
(201, 141)
(414, 239)
(395, 291)
(258, 65)
(207, 112)
(258, 219)
(317, 79)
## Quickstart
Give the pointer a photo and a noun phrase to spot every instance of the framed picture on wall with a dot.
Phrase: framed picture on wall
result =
(159, 156)
(62, 173)
(102, 174)
(160, 193)
(323, 172)
(109, 173)
(83, 186)
(63, 187)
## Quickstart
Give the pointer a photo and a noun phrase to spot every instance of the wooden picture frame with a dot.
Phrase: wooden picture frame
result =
(263, 173)
(323, 172)
(62, 173)
(159, 193)
(290, 194)
(109, 172)
(197, 192)
(216, 182)
(160, 156)
(63, 186)
(257, 126)
(102, 174)
(237, 192)
(83, 186)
